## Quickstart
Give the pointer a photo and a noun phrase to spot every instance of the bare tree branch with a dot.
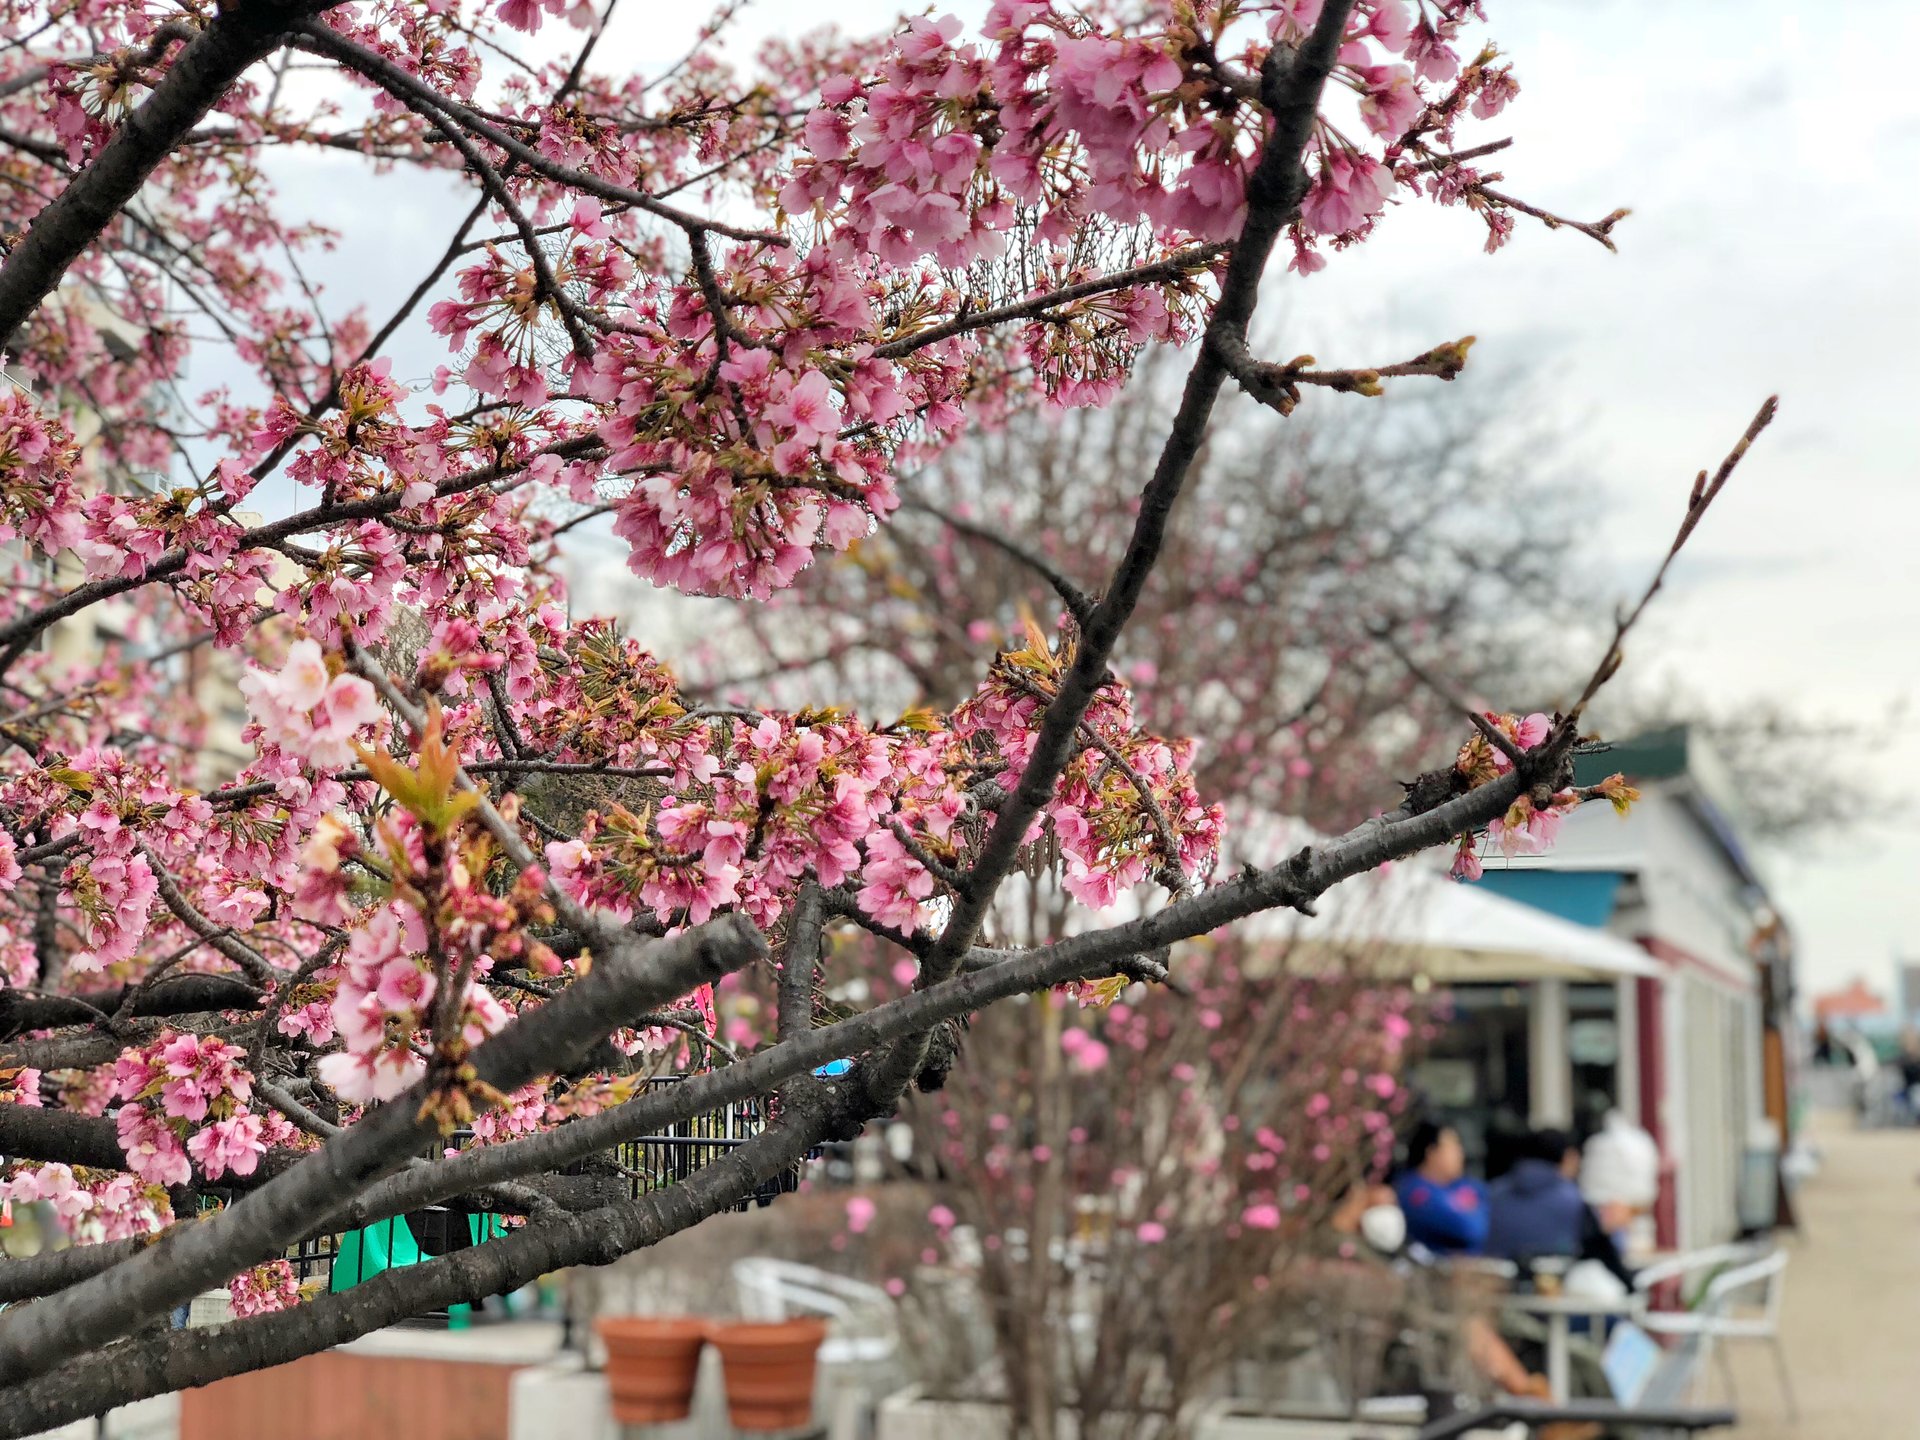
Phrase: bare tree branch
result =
(182, 1358)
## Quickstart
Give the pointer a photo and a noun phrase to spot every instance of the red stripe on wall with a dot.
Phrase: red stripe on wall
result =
(1650, 1033)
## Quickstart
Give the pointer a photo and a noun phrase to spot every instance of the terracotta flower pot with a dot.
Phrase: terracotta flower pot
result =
(770, 1369)
(652, 1363)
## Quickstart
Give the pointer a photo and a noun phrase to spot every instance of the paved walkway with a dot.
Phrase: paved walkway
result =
(1852, 1317)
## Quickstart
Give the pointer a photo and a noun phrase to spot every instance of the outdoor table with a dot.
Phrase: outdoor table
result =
(1558, 1311)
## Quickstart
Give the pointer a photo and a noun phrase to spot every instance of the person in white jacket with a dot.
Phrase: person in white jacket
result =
(1620, 1172)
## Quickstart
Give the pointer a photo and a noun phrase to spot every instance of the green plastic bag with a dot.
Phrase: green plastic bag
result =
(389, 1244)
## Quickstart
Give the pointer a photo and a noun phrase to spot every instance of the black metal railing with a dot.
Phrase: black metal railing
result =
(653, 1162)
(647, 1163)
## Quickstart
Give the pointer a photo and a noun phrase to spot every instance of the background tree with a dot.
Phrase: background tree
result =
(1320, 556)
(1136, 1188)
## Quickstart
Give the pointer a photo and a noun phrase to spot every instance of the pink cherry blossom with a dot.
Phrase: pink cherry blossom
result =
(231, 1145)
(1348, 190)
(302, 710)
(860, 1213)
(263, 1290)
(1525, 829)
(153, 1151)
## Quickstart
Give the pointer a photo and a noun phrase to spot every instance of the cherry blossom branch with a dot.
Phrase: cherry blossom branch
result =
(1495, 736)
(1034, 307)
(270, 1013)
(232, 42)
(925, 858)
(420, 291)
(842, 903)
(504, 831)
(135, 996)
(800, 961)
(530, 765)
(1291, 86)
(299, 1114)
(506, 734)
(162, 39)
(415, 93)
(495, 185)
(69, 1052)
(48, 850)
(33, 1132)
(695, 1031)
(43, 150)
(22, 1010)
(1172, 874)
(1600, 230)
(220, 937)
(271, 460)
(1472, 152)
(1079, 604)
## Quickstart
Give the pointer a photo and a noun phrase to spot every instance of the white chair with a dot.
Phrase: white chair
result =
(859, 1358)
(864, 1329)
(1742, 1302)
(1694, 1262)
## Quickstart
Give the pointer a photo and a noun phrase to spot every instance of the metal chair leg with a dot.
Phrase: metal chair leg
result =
(1786, 1379)
(1724, 1354)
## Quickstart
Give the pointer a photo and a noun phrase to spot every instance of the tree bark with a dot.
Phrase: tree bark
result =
(183, 1358)
(181, 995)
(630, 980)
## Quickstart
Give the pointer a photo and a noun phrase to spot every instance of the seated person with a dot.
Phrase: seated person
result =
(1370, 1211)
(1536, 1209)
(1446, 1211)
(1373, 1230)
(1620, 1174)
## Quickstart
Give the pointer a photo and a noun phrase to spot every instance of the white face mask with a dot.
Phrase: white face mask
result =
(1384, 1227)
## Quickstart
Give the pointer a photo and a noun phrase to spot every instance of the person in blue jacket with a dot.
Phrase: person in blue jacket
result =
(1536, 1209)
(1446, 1211)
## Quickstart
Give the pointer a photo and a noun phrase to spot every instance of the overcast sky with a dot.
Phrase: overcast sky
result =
(1768, 153)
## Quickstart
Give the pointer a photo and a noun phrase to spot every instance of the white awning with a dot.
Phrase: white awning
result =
(1419, 920)
(1409, 918)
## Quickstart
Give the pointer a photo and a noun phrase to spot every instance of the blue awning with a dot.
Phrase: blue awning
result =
(1586, 897)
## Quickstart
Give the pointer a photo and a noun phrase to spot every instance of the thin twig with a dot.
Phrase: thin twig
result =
(1703, 494)
(1496, 737)
(1079, 604)
(510, 839)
